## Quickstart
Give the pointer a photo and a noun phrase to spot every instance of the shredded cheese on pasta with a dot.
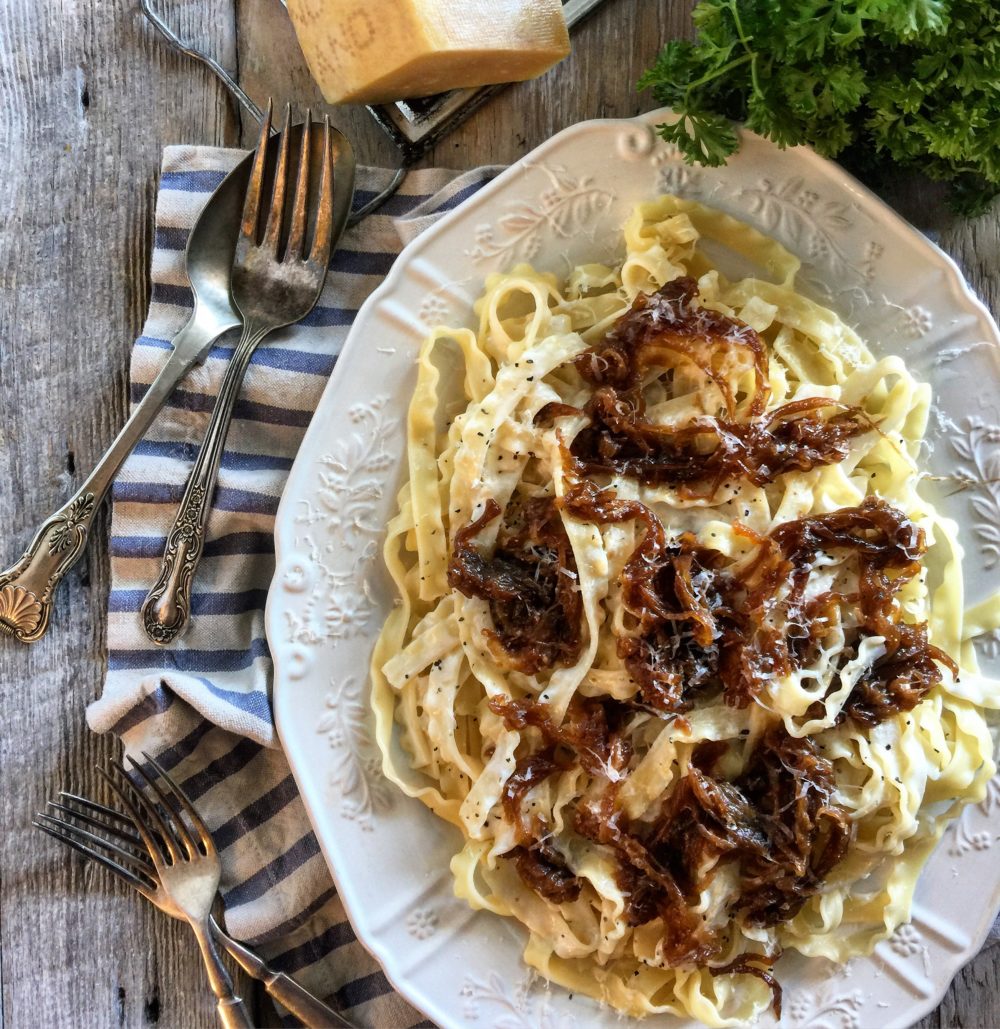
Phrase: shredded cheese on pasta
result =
(474, 436)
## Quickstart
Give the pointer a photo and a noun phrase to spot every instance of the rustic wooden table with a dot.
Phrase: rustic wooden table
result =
(88, 96)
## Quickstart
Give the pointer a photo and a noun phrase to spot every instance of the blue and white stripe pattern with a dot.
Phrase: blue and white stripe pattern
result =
(202, 705)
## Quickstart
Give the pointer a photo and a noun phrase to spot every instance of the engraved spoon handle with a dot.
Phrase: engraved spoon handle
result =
(167, 607)
(27, 588)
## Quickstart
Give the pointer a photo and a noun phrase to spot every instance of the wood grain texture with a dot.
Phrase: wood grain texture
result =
(88, 100)
(89, 97)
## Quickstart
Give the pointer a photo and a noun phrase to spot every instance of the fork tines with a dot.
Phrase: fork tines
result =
(172, 840)
(123, 842)
(250, 237)
(71, 820)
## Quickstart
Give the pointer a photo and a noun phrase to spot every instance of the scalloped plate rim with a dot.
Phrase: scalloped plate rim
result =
(311, 786)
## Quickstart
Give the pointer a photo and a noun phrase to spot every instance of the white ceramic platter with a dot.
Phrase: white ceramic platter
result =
(560, 206)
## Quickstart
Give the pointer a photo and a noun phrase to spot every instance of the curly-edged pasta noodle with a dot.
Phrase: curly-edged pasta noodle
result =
(679, 645)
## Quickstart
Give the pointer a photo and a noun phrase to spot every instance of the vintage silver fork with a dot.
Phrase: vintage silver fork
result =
(272, 287)
(67, 821)
(186, 868)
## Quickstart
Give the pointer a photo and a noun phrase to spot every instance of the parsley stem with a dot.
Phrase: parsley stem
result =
(734, 11)
(716, 72)
(745, 40)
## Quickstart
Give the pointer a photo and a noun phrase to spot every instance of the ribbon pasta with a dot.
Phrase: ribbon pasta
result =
(478, 434)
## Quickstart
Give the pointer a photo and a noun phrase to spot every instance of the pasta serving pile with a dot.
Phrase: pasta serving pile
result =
(679, 645)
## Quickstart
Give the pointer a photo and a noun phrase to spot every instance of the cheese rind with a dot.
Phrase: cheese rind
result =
(370, 51)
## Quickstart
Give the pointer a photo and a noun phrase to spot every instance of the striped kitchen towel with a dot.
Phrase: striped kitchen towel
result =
(202, 705)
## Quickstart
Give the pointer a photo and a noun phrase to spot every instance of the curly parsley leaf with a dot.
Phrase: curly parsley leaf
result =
(702, 138)
(911, 19)
(883, 85)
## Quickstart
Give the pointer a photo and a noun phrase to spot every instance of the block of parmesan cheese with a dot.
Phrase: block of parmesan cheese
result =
(371, 51)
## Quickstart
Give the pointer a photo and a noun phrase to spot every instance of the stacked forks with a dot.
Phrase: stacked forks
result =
(173, 862)
(274, 279)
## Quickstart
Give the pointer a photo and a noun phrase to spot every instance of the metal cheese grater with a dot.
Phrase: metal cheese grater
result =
(413, 126)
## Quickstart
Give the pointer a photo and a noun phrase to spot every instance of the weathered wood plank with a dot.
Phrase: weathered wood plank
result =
(89, 97)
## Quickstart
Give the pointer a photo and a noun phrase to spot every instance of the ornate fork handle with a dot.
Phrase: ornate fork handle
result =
(167, 608)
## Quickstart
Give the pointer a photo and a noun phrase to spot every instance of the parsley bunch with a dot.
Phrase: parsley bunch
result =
(879, 84)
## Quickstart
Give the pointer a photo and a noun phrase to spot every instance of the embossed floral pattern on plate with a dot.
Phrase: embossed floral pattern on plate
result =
(567, 207)
(356, 772)
(564, 205)
(339, 530)
(524, 1005)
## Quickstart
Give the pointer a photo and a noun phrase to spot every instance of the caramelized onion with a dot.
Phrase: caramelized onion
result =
(658, 328)
(543, 869)
(589, 735)
(665, 325)
(889, 547)
(530, 583)
(777, 823)
(669, 588)
(793, 438)
(701, 626)
(900, 679)
(591, 729)
(791, 785)
(528, 773)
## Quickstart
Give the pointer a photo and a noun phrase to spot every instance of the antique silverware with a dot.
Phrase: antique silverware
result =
(71, 822)
(27, 589)
(186, 866)
(185, 870)
(272, 286)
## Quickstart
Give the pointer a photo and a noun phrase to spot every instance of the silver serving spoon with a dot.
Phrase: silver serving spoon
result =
(27, 589)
